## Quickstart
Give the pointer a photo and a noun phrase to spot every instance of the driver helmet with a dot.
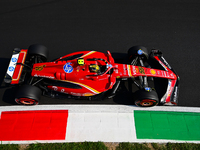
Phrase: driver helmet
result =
(94, 68)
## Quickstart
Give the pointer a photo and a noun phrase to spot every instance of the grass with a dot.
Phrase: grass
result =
(132, 146)
(68, 146)
(155, 146)
(183, 146)
(9, 147)
(101, 146)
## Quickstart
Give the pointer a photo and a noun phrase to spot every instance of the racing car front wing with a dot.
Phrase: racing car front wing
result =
(171, 95)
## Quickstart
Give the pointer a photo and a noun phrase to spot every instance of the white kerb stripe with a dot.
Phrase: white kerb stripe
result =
(107, 127)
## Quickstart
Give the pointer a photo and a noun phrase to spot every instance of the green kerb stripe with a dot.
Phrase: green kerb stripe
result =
(167, 125)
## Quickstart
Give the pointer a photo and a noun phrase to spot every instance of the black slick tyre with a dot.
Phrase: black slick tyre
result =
(145, 98)
(28, 95)
(39, 51)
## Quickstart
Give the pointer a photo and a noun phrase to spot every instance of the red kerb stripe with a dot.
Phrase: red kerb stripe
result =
(33, 125)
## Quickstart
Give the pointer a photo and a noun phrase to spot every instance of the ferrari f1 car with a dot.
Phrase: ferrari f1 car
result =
(88, 74)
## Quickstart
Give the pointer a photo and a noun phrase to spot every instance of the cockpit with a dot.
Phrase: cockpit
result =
(95, 65)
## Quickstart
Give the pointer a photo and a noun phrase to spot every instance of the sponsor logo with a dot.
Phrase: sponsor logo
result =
(140, 52)
(145, 82)
(163, 65)
(175, 94)
(75, 94)
(55, 88)
(171, 75)
(134, 69)
(39, 68)
(88, 94)
(141, 70)
(50, 77)
(170, 91)
(166, 63)
(153, 72)
(165, 73)
(11, 68)
(116, 71)
(109, 65)
(103, 79)
(147, 89)
(14, 59)
(68, 68)
(124, 69)
(78, 69)
(169, 84)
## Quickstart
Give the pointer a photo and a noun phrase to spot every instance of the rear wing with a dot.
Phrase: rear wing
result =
(171, 95)
(14, 71)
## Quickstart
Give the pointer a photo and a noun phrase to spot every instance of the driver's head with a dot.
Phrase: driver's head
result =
(94, 68)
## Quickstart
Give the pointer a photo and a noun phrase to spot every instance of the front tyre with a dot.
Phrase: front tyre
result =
(145, 98)
(28, 95)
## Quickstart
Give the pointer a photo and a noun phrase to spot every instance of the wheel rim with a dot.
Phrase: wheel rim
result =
(146, 103)
(26, 101)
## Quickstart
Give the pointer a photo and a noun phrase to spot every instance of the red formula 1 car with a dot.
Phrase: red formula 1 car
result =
(88, 74)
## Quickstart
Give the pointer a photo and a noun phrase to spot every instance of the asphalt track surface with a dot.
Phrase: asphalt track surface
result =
(172, 26)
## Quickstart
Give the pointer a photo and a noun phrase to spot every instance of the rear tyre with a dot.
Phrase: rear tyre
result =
(138, 51)
(28, 95)
(39, 51)
(145, 98)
